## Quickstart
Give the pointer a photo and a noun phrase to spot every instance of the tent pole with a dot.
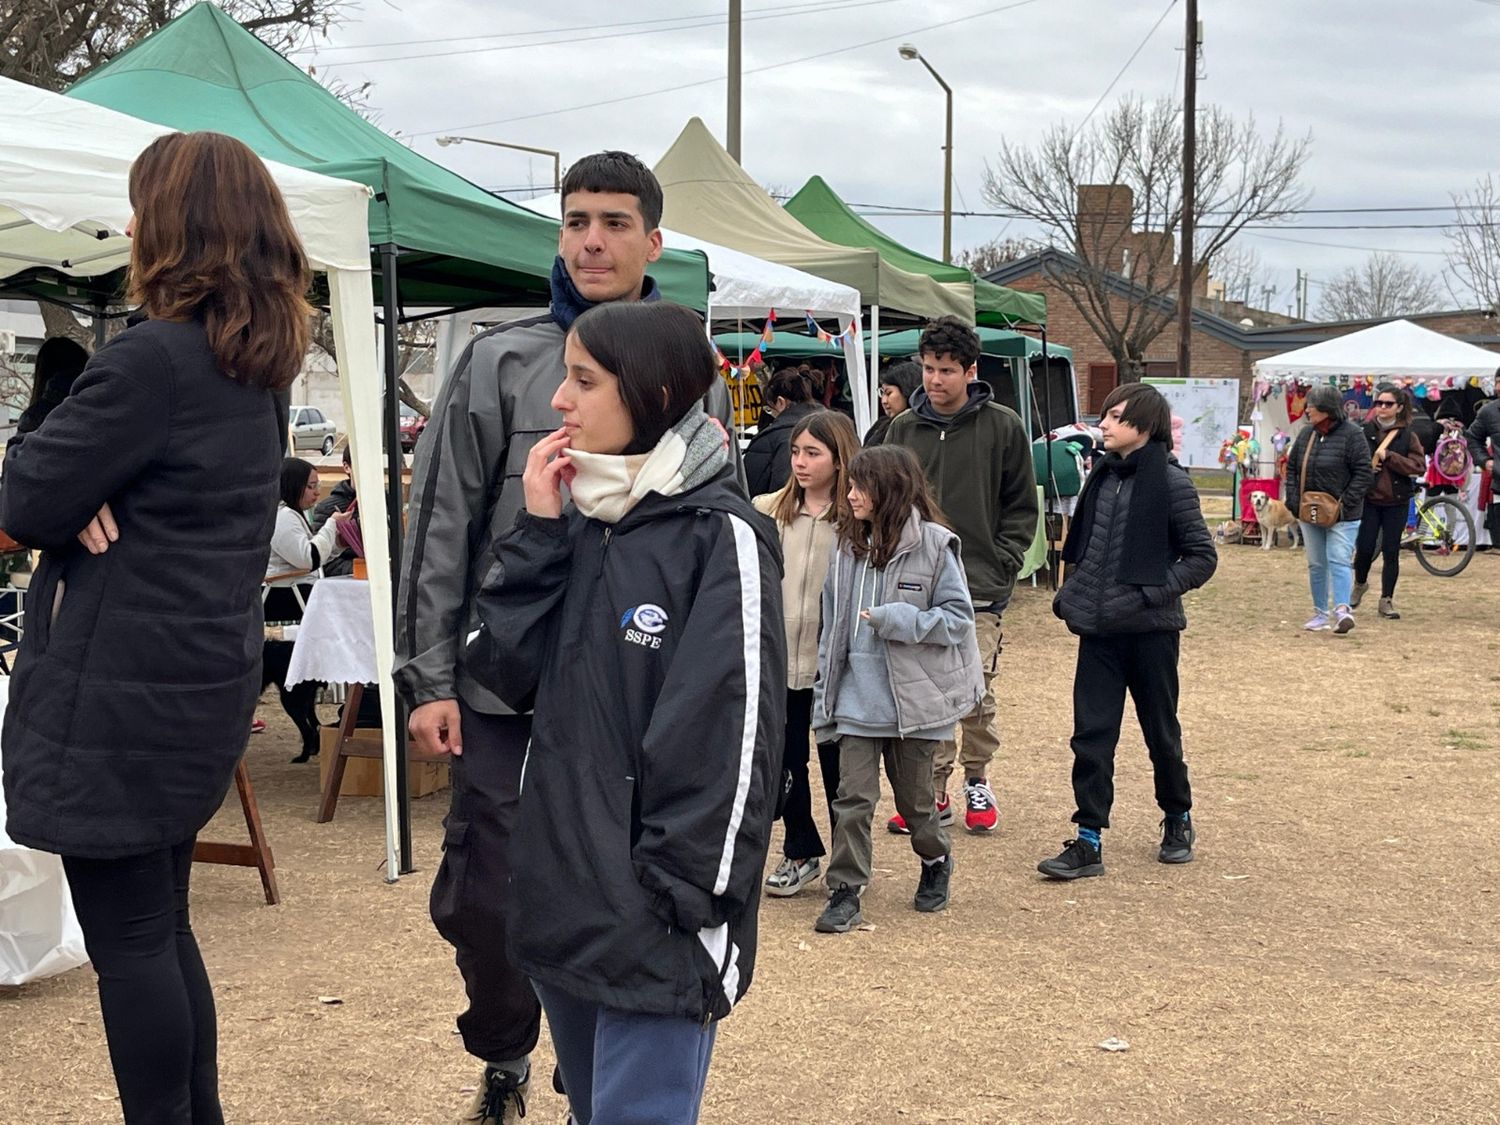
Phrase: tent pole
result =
(874, 388)
(100, 325)
(1047, 446)
(396, 464)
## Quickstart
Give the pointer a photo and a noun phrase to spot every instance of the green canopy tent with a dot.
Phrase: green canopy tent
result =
(1048, 399)
(439, 241)
(819, 208)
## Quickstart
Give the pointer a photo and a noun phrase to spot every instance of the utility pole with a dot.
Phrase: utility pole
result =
(1301, 295)
(732, 132)
(1189, 192)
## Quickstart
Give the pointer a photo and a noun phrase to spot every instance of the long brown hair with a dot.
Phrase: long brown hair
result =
(836, 432)
(892, 478)
(213, 242)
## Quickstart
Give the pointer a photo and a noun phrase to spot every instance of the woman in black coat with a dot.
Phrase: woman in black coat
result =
(1396, 457)
(151, 491)
(768, 457)
(898, 383)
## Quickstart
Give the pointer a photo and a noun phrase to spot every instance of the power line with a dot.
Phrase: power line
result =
(1133, 55)
(1346, 246)
(721, 78)
(769, 14)
(318, 49)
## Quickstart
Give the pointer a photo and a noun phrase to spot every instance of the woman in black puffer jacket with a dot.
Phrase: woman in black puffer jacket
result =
(768, 457)
(1338, 462)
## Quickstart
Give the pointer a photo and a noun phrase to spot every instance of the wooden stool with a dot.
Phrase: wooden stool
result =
(348, 748)
(257, 853)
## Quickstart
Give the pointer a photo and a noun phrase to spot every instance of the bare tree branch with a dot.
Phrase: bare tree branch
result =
(1111, 194)
(991, 255)
(1473, 272)
(1383, 286)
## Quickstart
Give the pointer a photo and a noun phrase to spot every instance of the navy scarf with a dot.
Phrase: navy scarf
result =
(568, 304)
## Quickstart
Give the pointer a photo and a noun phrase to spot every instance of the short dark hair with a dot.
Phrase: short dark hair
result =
(950, 336)
(650, 347)
(1145, 409)
(617, 172)
(295, 473)
(905, 376)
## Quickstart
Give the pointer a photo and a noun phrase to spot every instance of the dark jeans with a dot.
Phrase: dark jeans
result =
(1146, 665)
(627, 1068)
(802, 838)
(471, 894)
(153, 990)
(1385, 523)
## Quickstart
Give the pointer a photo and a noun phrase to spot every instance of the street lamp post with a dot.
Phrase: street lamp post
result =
(909, 52)
(556, 156)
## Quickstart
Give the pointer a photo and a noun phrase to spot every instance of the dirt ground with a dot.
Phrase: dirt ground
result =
(1330, 957)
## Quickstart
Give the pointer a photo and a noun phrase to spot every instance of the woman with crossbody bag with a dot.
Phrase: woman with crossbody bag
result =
(1396, 457)
(1327, 476)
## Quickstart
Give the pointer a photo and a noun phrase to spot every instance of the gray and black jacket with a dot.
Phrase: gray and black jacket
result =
(1094, 602)
(1484, 438)
(466, 488)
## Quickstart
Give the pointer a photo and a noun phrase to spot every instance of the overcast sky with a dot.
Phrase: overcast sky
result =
(1399, 96)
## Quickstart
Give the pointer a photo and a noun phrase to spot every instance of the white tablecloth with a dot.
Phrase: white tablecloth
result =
(336, 642)
(39, 934)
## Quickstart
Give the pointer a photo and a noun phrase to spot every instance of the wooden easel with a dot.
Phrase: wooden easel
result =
(257, 853)
(347, 748)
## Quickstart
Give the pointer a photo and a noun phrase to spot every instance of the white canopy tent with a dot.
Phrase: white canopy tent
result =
(64, 204)
(1397, 349)
(748, 288)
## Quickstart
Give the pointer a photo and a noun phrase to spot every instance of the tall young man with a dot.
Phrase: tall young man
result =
(976, 456)
(466, 490)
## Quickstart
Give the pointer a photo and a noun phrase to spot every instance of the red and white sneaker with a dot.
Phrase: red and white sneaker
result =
(896, 826)
(258, 726)
(980, 813)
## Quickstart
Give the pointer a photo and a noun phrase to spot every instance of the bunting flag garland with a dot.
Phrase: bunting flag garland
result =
(825, 337)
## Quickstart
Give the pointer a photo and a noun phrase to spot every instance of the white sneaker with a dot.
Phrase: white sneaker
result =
(791, 876)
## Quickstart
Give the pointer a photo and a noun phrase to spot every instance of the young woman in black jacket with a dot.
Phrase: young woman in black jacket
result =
(151, 490)
(768, 457)
(1396, 456)
(644, 627)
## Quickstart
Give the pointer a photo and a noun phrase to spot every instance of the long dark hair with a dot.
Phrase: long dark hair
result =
(59, 361)
(836, 432)
(213, 242)
(788, 383)
(892, 478)
(650, 348)
(295, 473)
(1402, 396)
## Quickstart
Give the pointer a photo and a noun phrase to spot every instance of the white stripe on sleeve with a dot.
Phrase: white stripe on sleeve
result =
(747, 553)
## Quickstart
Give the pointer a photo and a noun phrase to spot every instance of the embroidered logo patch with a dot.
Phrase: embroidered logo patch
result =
(643, 625)
(909, 586)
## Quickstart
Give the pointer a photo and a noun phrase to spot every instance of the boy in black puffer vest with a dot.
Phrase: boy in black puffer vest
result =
(1137, 544)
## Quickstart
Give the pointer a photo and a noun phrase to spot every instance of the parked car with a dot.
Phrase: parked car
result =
(312, 430)
(412, 425)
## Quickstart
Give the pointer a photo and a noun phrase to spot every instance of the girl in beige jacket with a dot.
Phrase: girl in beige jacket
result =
(809, 510)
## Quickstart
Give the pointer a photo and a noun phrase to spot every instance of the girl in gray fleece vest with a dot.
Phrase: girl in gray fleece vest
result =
(898, 666)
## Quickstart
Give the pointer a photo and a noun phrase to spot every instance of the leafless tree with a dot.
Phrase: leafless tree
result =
(1383, 286)
(1474, 246)
(1245, 276)
(415, 339)
(53, 43)
(1243, 176)
(995, 253)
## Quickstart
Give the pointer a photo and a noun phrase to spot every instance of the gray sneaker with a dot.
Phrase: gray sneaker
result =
(1358, 595)
(1387, 609)
(842, 912)
(932, 887)
(791, 875)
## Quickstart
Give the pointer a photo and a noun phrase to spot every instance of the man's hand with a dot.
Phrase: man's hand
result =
(435, 726)
(100, 532)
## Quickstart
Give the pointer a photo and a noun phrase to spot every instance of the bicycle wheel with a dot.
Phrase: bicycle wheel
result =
(1444, 537)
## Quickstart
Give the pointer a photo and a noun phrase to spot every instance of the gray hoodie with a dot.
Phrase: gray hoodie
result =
(911, 670)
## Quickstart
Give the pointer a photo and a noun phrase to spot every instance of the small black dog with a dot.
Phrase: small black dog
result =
(300, 701)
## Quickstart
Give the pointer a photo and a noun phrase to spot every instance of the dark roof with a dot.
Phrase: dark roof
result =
(1272, 338)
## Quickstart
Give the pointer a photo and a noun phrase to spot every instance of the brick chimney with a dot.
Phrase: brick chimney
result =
(1104, 215)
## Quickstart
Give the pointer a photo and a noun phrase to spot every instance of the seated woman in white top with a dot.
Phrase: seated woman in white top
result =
(297, 552)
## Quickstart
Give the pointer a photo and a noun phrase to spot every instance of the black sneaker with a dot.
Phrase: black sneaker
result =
(842, 912)
(500, 1099)
(1177, 837)
(1078, 860)
(932, 887)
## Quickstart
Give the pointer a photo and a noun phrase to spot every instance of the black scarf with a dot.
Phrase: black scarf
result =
(568, 304)
(1147, 549)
